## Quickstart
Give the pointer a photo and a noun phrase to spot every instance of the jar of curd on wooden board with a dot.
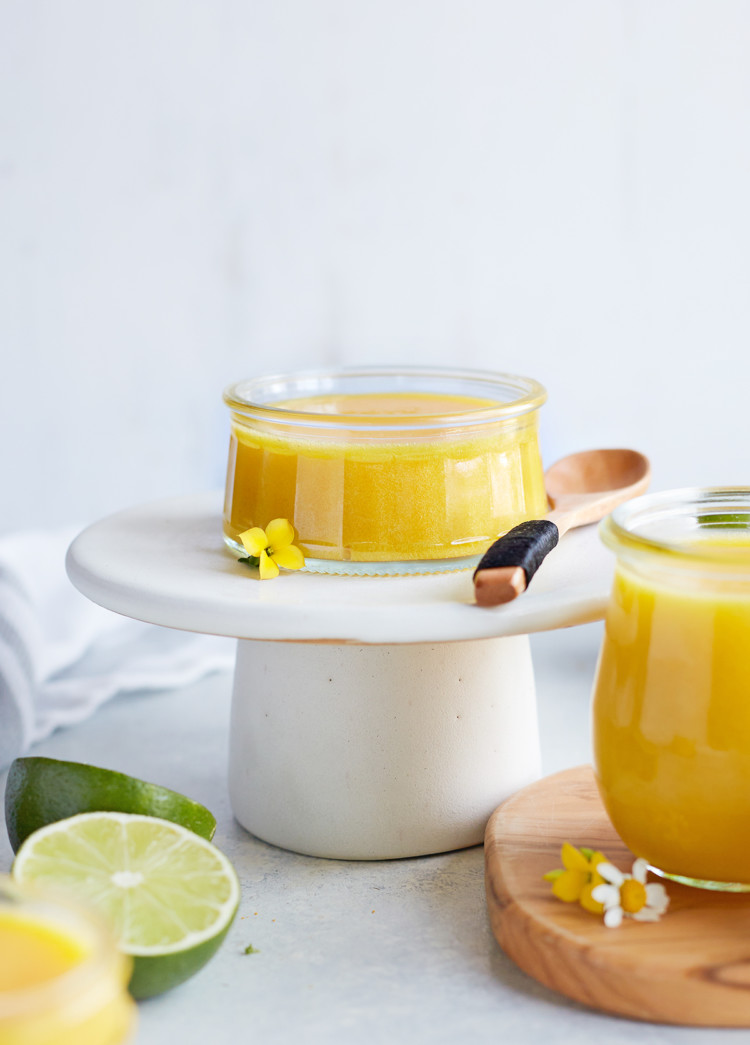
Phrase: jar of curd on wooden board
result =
(62, 979)
(385, 470)
(671, 712)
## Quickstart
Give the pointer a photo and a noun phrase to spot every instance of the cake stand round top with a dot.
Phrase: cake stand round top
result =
(166, 563)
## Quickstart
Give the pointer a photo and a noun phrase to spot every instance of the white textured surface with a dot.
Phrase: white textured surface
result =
(392, 953)
(375, 752)
(166, 563)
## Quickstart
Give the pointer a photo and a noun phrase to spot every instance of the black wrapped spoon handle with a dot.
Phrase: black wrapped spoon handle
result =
(506, 568)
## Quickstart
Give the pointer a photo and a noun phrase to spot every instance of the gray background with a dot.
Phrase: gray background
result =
(195, 191)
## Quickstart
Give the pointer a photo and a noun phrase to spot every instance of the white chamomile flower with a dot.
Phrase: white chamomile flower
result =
(629, 895)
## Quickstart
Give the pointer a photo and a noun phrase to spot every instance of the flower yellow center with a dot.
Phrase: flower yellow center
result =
(632, 896)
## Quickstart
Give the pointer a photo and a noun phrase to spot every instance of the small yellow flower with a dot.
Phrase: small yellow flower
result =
(270, 548)
(578, 877)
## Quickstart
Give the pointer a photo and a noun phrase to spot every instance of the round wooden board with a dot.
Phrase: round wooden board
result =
(692, 967)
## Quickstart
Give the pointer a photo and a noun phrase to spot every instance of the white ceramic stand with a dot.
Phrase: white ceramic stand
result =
(371, 752)
(368, 719)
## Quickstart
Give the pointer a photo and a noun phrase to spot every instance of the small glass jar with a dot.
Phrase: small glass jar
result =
(671, 709)
(62, 979)
(386, 469)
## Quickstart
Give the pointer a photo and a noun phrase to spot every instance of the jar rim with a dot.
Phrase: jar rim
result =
(701, 511)
(58, 909)
(515, 395)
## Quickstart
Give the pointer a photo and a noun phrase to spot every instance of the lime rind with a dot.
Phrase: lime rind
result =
(183, 894)
(40, 791)
(152, 976)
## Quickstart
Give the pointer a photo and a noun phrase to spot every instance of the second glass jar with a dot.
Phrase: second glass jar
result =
(671, 713)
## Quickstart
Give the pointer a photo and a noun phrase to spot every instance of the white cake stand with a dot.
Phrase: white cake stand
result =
(372, 717)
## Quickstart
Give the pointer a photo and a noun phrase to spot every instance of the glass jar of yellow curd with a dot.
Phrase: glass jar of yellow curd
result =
(385, 469)
(671, 711)
(62, 979)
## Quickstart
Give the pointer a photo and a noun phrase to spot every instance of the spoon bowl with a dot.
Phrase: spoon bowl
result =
(592, 483)
(595, 471)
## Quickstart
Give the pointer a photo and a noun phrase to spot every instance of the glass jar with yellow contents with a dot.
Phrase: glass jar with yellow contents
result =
(385, 470)
(62, 979)
(671, 710)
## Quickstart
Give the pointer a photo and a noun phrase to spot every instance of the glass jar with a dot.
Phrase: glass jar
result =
(386, 469)
(62, 979)
(671, 710)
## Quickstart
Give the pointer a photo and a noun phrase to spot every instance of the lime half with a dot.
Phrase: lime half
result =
(40, 791)
(169, 895)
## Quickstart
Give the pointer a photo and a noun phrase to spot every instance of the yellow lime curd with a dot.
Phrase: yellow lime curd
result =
(61, 981)
(386, 476)
(671, 709)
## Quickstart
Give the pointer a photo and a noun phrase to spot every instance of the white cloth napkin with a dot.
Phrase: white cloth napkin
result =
(62, 656)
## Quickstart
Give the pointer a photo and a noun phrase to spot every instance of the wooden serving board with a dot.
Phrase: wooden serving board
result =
(692, 967)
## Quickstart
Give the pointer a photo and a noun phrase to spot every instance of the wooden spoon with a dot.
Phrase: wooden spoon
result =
(581, 488)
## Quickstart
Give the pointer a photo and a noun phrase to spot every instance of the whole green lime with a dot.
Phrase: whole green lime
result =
(41, 791)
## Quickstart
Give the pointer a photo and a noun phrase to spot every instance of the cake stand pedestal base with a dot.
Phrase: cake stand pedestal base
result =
(376, 752)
